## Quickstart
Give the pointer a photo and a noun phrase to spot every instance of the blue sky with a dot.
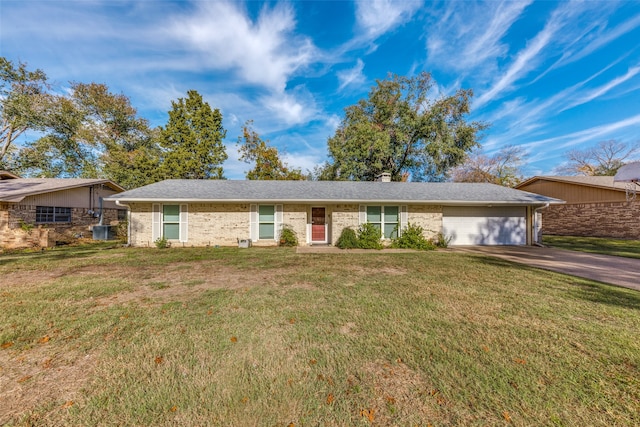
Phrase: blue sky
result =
(549, 76)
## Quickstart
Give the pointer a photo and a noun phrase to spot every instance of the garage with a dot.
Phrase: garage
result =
(484, 225)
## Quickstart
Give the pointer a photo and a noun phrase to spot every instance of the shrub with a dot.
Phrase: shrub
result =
(288, 237)
(369, 236)
(412, 237)
(162, 243)
(442, 241)
(348, 239)
(122, 231)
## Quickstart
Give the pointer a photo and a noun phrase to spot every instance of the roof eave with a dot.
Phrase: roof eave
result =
(338, 201)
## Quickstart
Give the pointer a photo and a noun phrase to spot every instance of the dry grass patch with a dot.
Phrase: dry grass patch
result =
(268, 337)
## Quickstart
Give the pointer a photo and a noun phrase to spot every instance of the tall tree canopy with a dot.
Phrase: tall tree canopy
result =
(268, 165)
(192, 140)
(24, 102)
(503, 168)
(400, 129)
(604, 159)
(93, 133)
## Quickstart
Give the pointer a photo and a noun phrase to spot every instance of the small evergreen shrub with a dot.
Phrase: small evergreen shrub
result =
(412, 237)
(288, 237)
(162, 243)
(369, 236)
(348, 239)
(442, 241)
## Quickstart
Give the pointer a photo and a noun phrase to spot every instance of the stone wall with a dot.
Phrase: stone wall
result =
(212, 224)
(428, 217)
(18, 228)
(613, 219)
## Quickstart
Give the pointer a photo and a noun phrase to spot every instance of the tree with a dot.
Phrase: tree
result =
(24, 102)
(604, 159)
(268, 165)
(192, 140)
(399, 129)
(93, 133)
(503, 168)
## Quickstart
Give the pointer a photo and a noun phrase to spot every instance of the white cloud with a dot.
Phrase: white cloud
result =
(599, 91)
(376, 17)
(352, 76)
(554, 33)
(591, 134)
(293, 108)
(469, 35)
(266, 52)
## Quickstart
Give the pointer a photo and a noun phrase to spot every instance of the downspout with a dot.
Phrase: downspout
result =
(535, 237)
(119, 203)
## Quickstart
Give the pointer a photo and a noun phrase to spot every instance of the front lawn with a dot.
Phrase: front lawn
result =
(264, 336)
(596, 245)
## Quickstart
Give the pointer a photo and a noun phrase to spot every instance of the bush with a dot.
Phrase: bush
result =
(442, 241)
(122, 231)
(288, 237)
(162, 243)
(348, 239)
(412, 237)
(369, 236)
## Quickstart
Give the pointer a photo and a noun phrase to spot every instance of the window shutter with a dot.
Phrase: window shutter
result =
(253, 219)
(156, 222)
(278, 223)
(363, 214)
(184, 224)
(404, 218)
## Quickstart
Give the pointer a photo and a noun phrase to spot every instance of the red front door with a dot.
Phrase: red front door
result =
(318, 228)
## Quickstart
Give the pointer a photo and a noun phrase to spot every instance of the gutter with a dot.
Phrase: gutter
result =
(119, 203)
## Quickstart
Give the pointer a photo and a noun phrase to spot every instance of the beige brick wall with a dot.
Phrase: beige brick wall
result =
(215, 224)
(428, 217)
(341, 217)
(614, 219)
(223, 224)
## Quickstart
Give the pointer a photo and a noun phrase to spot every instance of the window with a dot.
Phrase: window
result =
(384, 218)
(52, 214)
(122, 214)
(171, 222)
(266, 222)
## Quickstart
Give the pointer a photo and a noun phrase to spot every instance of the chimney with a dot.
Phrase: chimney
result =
(384, 177)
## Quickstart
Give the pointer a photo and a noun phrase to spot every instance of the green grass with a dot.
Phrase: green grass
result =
(596, 245)
(268, 337)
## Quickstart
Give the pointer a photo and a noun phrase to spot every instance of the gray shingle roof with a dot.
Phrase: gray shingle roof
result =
(15, 190)
(446, 193)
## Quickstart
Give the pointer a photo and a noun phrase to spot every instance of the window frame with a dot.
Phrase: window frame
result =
(399, 223)
(255, 222)
(57, 215)
(158, 222)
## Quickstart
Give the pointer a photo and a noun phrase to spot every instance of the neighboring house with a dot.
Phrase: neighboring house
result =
(41, 211)
(219, 212)
(596, 206)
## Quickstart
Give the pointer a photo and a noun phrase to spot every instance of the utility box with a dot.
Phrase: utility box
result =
(104, 232)
(244, 243)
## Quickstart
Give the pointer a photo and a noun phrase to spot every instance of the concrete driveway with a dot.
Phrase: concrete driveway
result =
(603, 268)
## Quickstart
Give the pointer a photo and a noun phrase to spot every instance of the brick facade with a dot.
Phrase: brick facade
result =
(18, 228)
(211, 224)
(609, 219)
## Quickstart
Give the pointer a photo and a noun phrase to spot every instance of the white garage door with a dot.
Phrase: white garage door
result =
(499, 225)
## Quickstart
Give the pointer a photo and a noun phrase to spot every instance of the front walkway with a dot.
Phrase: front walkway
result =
(603, 268)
